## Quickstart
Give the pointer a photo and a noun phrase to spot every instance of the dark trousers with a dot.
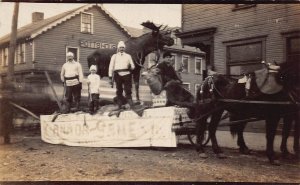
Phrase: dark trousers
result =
(6, 119)
(123, 83)
(73, 92)
(94, 103)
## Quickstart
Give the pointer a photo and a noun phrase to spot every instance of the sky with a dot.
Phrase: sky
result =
(128, 14)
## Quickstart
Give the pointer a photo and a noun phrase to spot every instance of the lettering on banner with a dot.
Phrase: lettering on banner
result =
(110, 130)
(95, 45)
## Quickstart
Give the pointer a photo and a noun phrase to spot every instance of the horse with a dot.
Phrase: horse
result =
(269, 101)
(138, 48)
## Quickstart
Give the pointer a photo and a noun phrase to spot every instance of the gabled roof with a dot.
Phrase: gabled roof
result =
(32, 30)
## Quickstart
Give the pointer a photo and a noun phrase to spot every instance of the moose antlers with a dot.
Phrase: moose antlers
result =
(153, 27)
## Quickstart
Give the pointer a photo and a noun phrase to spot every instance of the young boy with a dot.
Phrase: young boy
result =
(93, 81)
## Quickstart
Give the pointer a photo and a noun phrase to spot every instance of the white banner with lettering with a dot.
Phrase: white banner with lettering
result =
(127, 130)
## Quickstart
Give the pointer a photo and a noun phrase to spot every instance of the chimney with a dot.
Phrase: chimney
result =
(37, 16)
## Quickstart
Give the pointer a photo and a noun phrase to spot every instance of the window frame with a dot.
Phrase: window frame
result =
(188, 62)
(175, 61)
(1, 57)
(196, 88)
(245, 41)
(5, 57)
(92, 23)
(286, 36)
(288, 47)
(201, 65)
(150, 57)
(20, 54)
(187, 83)
(78, 56)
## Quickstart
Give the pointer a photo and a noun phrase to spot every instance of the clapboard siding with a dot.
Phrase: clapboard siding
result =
(263, 19)
(68, 34)
(23, 66)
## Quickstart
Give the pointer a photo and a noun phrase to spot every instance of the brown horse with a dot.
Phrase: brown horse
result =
(138, 48)
(281, 102)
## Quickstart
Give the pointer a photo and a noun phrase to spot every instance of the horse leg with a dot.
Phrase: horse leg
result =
(137, 91)
(296, 135)
(240, 141)
(212, 128)
(200, 129)
(287, 123)
(136, 80)
(239, 130)
(271, 125)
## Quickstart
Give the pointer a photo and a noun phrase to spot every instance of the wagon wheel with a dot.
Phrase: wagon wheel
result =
(193, 138)
(206, 137)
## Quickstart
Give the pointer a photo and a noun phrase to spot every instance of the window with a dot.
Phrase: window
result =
(197, 86)
(5, 58)
(245, 55)
(174, 61)
(242, 6)
(151, 59)
(175, 40)
(1, 57)
(293, 49)
(86, 23)
(74, 51)
(185, 64)
(20, 54)
(198, 65)
(187, 86)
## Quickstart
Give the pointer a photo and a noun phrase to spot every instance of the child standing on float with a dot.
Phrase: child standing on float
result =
(93, 81)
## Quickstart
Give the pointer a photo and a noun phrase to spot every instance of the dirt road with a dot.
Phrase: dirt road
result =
(28, 158)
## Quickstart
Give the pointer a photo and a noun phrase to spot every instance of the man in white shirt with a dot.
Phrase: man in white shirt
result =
(71, 75)
(120, 67)
(93, 81)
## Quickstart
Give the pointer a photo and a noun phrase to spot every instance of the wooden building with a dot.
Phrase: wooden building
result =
(237, 37)
(43, 44)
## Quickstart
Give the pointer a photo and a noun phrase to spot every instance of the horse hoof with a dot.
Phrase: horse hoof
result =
(221, 156)
(297, 155)
(203, 155)
(275, 163)
(287, 155)
(245, 151)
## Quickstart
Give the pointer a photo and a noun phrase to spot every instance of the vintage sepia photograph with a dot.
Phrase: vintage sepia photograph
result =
(124, 92)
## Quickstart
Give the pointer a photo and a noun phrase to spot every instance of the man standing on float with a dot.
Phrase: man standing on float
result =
(71, 75)
(120, 67)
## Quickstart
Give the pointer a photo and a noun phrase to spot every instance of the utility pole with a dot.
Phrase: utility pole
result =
(12, 44)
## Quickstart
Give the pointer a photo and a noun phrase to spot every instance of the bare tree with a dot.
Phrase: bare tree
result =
(12, 43)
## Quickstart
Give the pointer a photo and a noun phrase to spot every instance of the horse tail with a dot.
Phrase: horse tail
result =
(234, 130)
(238, 128)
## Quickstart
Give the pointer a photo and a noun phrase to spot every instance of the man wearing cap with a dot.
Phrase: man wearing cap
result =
(120, 67)
(71, 75)
(166, 69)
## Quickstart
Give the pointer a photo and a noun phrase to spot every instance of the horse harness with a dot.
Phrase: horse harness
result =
(212, 87)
